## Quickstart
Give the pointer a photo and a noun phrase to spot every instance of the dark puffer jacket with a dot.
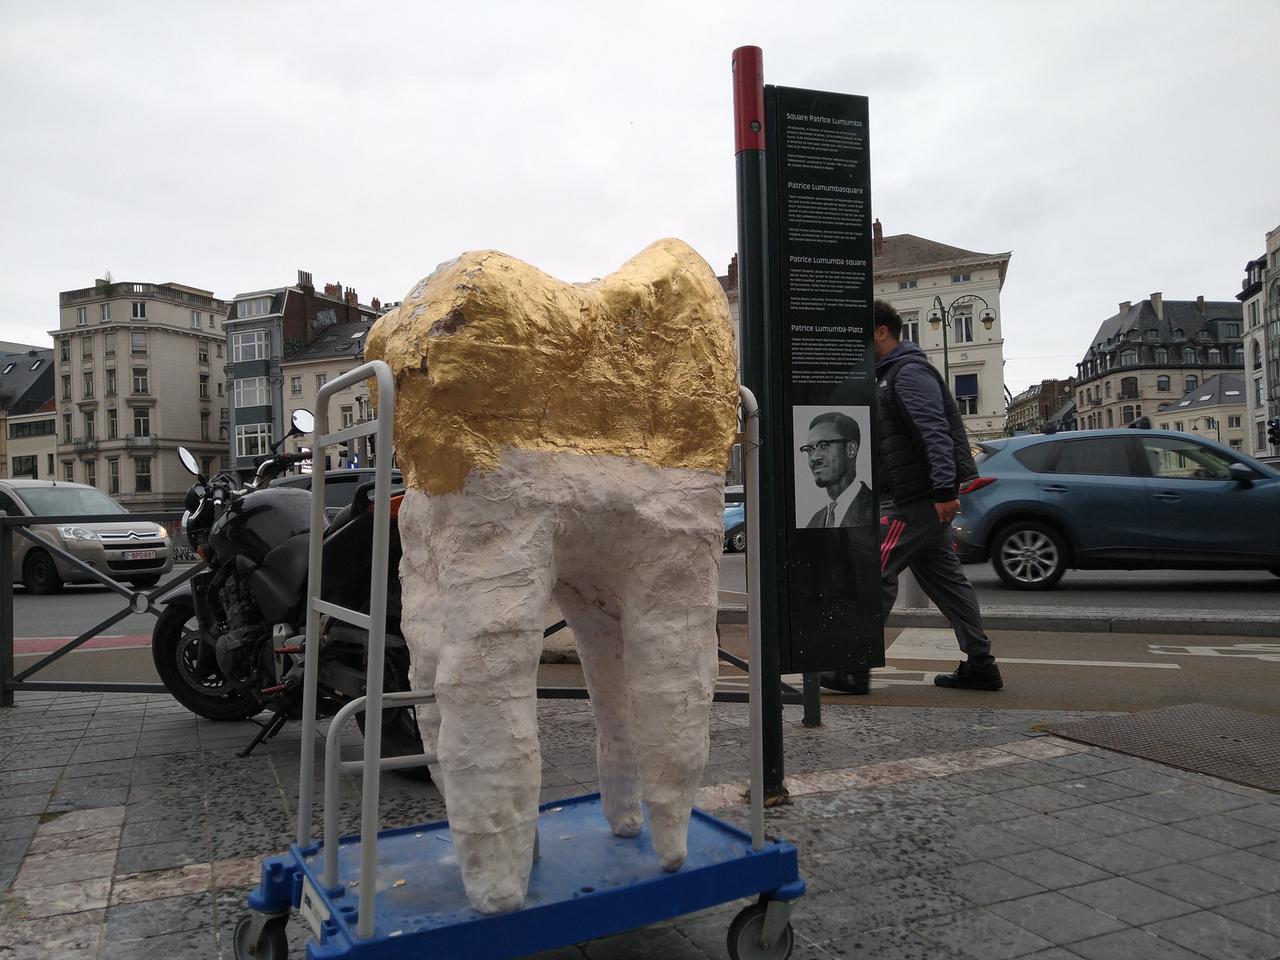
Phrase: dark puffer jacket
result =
(924, 450)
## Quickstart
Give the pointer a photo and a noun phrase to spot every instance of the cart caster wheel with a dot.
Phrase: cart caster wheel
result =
(744, 937)
(273, 942)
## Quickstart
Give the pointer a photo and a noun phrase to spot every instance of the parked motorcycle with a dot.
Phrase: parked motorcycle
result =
(229, 643)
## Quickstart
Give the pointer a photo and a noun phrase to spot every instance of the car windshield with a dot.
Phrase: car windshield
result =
(67, 502)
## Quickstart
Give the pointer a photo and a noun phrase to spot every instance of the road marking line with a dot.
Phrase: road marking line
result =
(927, 643)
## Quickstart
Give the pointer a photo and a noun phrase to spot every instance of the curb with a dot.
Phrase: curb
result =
(1104, 621)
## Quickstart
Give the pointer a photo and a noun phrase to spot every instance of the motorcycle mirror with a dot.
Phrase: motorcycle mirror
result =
(304, 421)
(189, 461)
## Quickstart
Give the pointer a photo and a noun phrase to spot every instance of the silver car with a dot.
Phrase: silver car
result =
(133, 550)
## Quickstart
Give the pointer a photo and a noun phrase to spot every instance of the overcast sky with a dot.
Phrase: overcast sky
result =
(1116, 148)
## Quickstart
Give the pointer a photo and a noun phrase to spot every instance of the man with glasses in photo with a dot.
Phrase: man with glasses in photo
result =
(832, 449)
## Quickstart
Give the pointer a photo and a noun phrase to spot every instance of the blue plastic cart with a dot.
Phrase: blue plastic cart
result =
(398, 893)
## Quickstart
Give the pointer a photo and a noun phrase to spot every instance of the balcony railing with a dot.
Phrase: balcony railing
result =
(156, 290)
(140, 442)
(85, 444)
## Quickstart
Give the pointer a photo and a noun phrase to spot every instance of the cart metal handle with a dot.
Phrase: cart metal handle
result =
(751, 420)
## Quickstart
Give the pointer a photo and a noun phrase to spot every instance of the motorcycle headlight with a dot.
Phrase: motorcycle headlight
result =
(186, 518)
(76, 533)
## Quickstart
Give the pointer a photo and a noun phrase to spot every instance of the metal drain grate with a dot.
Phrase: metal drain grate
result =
(1228, 744)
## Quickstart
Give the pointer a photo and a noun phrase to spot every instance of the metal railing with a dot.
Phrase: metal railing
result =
(136, 602)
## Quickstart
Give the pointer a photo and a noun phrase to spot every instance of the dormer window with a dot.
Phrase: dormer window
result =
(1151, 333)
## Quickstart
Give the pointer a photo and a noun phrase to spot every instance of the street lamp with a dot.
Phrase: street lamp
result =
(945, 315)
(1215, 422)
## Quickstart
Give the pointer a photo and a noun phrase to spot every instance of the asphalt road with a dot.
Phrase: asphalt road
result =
(1195, 591)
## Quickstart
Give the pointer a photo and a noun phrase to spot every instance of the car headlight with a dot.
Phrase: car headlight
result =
(164, 532)
(76, 533)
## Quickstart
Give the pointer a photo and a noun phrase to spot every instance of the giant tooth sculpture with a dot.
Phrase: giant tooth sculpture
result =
(562, 441)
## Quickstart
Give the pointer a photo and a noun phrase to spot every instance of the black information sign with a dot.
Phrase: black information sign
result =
(822, 366)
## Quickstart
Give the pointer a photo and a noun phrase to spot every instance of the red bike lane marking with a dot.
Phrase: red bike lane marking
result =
(32, 645)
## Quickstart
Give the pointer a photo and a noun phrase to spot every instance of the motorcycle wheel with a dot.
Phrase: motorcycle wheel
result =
(174, 649)
(400, 736)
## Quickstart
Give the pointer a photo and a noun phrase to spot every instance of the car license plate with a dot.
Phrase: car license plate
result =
(312, 907)
(139, 555)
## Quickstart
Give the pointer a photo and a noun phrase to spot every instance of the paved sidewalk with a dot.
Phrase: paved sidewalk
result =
(129, 829)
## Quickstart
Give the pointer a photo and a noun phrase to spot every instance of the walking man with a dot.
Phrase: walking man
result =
(923, 458)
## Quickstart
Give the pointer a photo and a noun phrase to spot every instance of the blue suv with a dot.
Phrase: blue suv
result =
(1117, 500)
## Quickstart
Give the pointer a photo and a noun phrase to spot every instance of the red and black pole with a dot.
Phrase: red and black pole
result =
(753, 272)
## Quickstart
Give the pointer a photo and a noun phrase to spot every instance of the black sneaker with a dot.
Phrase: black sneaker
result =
(968, 677)
(858, 684)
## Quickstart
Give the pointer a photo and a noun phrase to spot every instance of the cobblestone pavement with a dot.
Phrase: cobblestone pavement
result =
(129, 829)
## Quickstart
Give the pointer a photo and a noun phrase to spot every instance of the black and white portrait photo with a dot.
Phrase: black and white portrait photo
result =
(833, 467)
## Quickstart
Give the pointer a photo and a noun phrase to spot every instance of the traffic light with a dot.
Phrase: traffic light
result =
(1273, 431)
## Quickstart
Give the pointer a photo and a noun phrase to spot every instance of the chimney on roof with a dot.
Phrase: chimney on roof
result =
(1124, 307)
(304, 280)
(376, 304)
(1157, 304)
(330, 290)
(351, 300)
(1200, 304)
(733, 273)
(877, 239)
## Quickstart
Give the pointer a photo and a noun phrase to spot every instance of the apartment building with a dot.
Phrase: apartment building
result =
(1041, 405)
(926, 280)
(336, 350)
(1149, 354)
(26, 392)
(1214, 409)
(263, 328)
(138, 375)
(1260, 301)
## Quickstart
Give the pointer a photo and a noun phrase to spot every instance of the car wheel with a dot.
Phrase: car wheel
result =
(175, 650)
(148, 581)
(1028, 555)
(738, 541)
(39, 574)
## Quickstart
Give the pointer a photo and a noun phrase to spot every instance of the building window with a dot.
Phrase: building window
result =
(1215, 355)
(23, 467)
(202, 352)
(1129, 388)
(195, 319)
(141, 383)
(223, 415)
(1151, 333)
(1260, 441)
(141, 422)
(249, 345)
(66, 386)
(111, 381)
(1233, 423)
(139, 310)
(219, 388)
(1162, 384)
(69, 471)
(1111, 419)
(250, 392)
(113, 424)
(66, 428)
(218, 350)
(82, 316)
(113, 475)
(1259, 393)
(204, 386)
(138, 344)
(295, 386)
(1257, 355)
(347, 415)
(1162, 356)
(88, 386)
(1188, 354)
(64, 351)
(256, 307)
(86, 347)
(1178, 334)
(1126, 414)
(109, 343)
(1235, 444)
(960, 278)
(1237, 355)
(906, 284)
(1177, 425)
(213, 324)
(967, 393)
(963, 326)
(1129, 358)
(91, 472)
(88, 426)
(253, 439)
(1108, 389)
(204, 425)
(104, 313)
(142, 474)
(321, 379)
(1190, 383)
(49, 463)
